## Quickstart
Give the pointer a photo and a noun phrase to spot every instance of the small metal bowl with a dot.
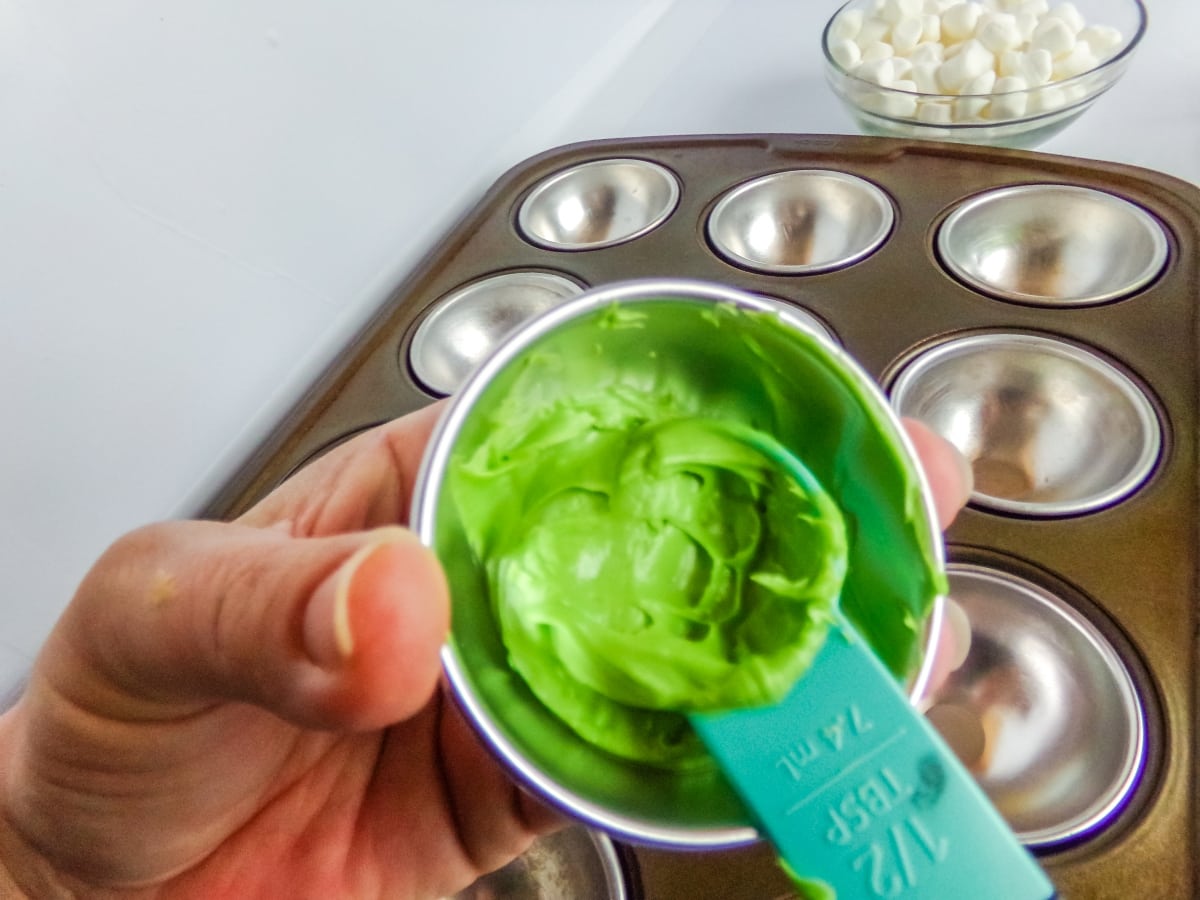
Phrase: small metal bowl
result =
(574, 862)
(598, 204)
(1052, 245)
(739, 357)
(1043, 711)
(800, 222)
(462, 328)
(1050, 428)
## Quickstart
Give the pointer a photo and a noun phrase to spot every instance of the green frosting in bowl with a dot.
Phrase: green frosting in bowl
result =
(640, 562)
(655, 564)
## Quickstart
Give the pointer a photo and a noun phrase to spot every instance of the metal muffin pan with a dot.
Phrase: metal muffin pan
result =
(1124, 566)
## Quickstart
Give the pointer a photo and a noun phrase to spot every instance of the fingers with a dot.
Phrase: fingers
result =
(365, 483)
(336, 632)
(947, 470)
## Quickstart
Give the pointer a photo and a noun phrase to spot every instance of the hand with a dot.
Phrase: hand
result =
(254, 708)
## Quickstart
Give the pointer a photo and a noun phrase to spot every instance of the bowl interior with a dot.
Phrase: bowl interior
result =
(1052, 245)
(738, 360)
(598, 204)
(804, 220)
(1050, 428)
(464, 327)
(1023, 712)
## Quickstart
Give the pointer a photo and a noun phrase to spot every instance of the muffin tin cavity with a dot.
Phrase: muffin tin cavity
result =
(1052, 245)
(1043, 710)
(801, 221)
(1050, 428)
(462, 328)
(598, 204)
(573, 862)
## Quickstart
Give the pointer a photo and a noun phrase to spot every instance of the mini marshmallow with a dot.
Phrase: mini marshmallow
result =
(1055, 35)
(1046, 99)
(846, 25)
(876, 51)
(968, 64)
(906, 34)
(935, 113)
(983, 84)
(959, 21)
(1009, 63)
(896, 11)
(1079, 60)
(931, 28)
(999, 32)
(928, 52)
(846, 54)
(924, 76)
(901, 68)
(1037, 67)
(872, 31)
(1027, 23)
(1035, 8)
(1103, 39)
(1009, 102)
(1068, 13)
(881, 72)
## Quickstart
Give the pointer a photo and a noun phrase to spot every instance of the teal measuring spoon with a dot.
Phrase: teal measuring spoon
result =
(857, 792)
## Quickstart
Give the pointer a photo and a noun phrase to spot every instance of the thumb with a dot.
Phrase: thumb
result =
(335, 632)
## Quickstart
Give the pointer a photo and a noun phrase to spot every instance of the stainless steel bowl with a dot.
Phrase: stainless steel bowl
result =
(800, 222)
(1050, 428)
(743, 354)
(1052, 245)
(463, 328)
(1043, 711)
(598, 204)
(573, 863)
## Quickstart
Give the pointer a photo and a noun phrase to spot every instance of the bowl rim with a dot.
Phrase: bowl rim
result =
(423, 521)
(1119, 58)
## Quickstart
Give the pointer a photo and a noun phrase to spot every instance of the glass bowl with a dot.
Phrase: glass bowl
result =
(1005, 73)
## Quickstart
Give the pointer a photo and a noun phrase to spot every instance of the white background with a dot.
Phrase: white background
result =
(200, 202)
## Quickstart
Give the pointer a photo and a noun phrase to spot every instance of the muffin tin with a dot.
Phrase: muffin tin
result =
(1038, 310)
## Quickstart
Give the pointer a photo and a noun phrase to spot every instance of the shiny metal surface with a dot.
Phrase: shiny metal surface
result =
(598, 204)
(572, 864)
(800, 221)
(462, 328)
(1050, 428)
(1042, 711)
(631, 801)
(1052, 245)
(807, 316)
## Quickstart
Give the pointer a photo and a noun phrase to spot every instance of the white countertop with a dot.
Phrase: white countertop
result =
(200, 202)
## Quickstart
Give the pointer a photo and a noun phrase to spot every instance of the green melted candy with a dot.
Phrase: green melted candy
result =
(642, 562)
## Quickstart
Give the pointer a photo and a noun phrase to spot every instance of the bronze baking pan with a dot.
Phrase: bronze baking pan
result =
(1129, 565)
